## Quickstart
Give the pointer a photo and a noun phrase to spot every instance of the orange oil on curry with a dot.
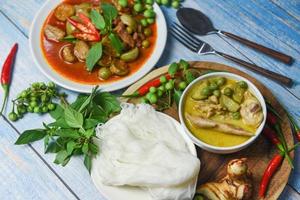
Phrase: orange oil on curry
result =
(77, 71)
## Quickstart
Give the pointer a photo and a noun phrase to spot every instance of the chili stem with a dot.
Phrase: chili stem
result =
(6, 91)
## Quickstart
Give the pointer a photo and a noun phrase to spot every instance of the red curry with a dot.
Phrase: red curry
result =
(77, 71)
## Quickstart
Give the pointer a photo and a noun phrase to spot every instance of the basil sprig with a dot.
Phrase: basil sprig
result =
(73, 130)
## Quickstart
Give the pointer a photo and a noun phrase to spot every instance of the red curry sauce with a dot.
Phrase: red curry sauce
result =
(77, 71)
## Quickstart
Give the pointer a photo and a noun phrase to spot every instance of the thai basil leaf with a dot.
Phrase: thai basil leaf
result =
(73, 118)
(79, 101)
(61, 156)
(46, 141)
(116, 43)
(85, 148)
(177, 95)
(110, 13)
(88, 100)
(52, 147)
(70, 147)
(89, 133)
(61, 122)
(98, 19)
(31, 136)
(93, 148)
(108, 102)
(57, 113)
(173, 69)
(68, 133)
(88, 162)
(189, 77)
(94, 55)
(91, 123)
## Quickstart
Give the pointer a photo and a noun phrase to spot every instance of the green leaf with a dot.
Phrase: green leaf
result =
(189, 77)
(57, 113)
(88, 162)
(184, 65)
(89, 133)
(31, 136)
(73, 118)
(70, 147)
(116, 43)
(99, 113)
(177, 95)
(79, 101)
(110, 12)
(61, 122)
(46, 141)
(68, 133)
(93, 148)
(108, 102)
(98, 19)
(94, 55)
(89, 99)
(61, 156)
(173, 69)
(85, 148)
(52, 147)
(92, 123)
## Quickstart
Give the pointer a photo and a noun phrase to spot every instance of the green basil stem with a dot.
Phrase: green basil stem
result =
(286, 151)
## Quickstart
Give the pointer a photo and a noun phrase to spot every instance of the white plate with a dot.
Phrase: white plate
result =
(35, 46)
(135, 193)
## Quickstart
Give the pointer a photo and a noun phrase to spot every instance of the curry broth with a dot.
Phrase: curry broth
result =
(77, 71)
(211, 136)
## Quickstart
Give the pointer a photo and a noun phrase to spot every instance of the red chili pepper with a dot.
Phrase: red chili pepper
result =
(87, 28)
(146, 87)
(154, 83)
(271, 135)
(298, 136)
(271, 119)
(87, 36)
(269, 172)
(6, 73)
(82, 27)
(86, 21)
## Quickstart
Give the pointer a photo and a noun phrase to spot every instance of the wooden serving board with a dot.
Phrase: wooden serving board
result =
(213, 166)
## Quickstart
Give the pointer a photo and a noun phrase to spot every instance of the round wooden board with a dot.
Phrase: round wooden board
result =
(213, 166)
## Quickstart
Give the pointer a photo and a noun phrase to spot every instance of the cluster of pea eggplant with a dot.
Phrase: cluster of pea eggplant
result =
(228, 95)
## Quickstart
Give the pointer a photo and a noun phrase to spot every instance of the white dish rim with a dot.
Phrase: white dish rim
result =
(223, 150)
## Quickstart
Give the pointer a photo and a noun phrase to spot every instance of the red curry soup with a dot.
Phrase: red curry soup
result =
(94, 42)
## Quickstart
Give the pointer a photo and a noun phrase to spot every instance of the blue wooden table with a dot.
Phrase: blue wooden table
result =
(27, 173)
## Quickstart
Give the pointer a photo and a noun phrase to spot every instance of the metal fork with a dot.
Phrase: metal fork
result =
(196, 45)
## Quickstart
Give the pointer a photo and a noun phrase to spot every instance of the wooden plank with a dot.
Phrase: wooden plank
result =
(75, 175)
(26, 72)
(292, 7)
(23, 175)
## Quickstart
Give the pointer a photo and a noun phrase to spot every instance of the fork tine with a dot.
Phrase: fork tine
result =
(183, 42)
(186, 33)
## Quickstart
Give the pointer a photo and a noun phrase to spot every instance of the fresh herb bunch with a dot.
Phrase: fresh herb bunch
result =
(38, 98)
(170, 88)
(73, 130)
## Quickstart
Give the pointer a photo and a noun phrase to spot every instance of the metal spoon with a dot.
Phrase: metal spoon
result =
(198, 23)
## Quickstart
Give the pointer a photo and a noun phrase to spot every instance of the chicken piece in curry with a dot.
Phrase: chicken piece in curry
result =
(94, 42)
(222, 112)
